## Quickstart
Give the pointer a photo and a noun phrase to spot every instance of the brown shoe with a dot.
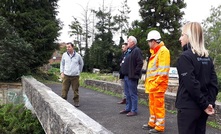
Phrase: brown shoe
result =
(124, 112)
(76, 104)
(123, 101)
(131, 114)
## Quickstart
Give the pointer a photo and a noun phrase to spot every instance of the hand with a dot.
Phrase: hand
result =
(62, 75)
(210, 110)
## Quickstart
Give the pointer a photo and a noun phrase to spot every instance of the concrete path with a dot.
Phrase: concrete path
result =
(105, 110)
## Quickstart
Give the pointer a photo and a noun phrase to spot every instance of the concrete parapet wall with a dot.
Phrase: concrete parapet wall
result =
(170, 95)
(56, 115)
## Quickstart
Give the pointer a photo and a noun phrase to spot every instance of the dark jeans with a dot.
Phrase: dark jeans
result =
(130, 89)
(191, 121)
(66, 83)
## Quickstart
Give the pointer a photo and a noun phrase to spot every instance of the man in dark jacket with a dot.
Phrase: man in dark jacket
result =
(131, 69)
(121, 76)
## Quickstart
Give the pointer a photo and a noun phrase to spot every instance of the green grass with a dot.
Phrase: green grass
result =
(219, 97)
(214, 124)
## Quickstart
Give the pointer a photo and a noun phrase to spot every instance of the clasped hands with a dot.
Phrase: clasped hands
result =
(210, 110)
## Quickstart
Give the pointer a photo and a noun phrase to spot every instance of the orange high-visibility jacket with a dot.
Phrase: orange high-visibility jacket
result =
(158, 70)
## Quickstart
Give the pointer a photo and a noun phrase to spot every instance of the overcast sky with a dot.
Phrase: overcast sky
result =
(196, 10)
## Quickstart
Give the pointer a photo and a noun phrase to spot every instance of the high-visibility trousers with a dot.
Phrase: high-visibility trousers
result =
(157, 111)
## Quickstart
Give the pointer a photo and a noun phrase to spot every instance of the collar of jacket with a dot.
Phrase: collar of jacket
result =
(186, 47)
(155, 50)
(72, 55)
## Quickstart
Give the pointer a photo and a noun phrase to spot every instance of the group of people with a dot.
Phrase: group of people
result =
(197, 90)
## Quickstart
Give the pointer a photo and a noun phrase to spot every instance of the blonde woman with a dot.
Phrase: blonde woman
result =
(197, 82)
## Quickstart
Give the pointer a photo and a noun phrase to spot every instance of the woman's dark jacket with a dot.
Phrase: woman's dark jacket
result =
(197, 81)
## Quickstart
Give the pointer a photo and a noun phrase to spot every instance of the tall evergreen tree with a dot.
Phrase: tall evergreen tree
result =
(122, 20)
(35, 21)
(15, 53)
(76, 30)
(164, 16)
(102, 52)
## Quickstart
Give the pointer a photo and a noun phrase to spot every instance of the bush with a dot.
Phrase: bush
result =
(219, 82)
(16, 119)
(51, 76)
(15, 53)
(56, 65)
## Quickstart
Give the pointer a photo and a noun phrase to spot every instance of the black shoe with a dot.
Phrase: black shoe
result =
(147, 127)
(154, 131)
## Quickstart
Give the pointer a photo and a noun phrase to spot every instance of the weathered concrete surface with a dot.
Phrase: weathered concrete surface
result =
(56, 115)
(170, 96)
(10, 93)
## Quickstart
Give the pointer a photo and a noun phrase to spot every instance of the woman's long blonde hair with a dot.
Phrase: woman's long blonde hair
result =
(194, 32)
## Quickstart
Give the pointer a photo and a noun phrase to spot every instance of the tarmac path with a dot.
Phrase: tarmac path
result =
(105, 110)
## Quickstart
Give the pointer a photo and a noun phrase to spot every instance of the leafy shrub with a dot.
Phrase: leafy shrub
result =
(16, 119)
(56, 65)
(15, 53)
(219, 82)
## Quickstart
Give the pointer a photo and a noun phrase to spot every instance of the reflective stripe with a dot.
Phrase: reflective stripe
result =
(157, 73)
(152, 118)
(160, 122)
(164, 67)
(159, 67)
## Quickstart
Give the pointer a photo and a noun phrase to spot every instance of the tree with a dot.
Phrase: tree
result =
(35, 21)
(122, 20)
(212, 30)
(101, 52)
(76, 29)
(164, 16)
(15, 53)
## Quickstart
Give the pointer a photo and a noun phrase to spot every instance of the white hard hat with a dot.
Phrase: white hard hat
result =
(153, 35)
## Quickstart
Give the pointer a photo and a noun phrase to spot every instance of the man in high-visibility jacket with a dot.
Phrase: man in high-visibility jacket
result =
(156, 82)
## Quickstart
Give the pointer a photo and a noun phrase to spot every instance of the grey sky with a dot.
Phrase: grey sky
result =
(196, 10)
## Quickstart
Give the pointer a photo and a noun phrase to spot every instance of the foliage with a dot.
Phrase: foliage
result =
(56, 65)
(77, 30)
(15, 53)
(47, 77)
(101, 54)
(15, 119)
(164, 16)
(122, 19)
(35, 21)
(105, 77)
(212, 30)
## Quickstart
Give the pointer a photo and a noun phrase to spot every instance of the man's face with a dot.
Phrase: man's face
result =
(69, 48)
(124, 48)
(151, 44)
(130, 43)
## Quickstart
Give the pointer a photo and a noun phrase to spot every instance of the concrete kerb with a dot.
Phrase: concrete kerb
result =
(56, 114)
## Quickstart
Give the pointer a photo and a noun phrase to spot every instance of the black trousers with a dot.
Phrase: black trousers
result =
(191, 121)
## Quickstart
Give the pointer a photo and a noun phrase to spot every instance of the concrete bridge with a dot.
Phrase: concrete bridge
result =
(98, 113)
